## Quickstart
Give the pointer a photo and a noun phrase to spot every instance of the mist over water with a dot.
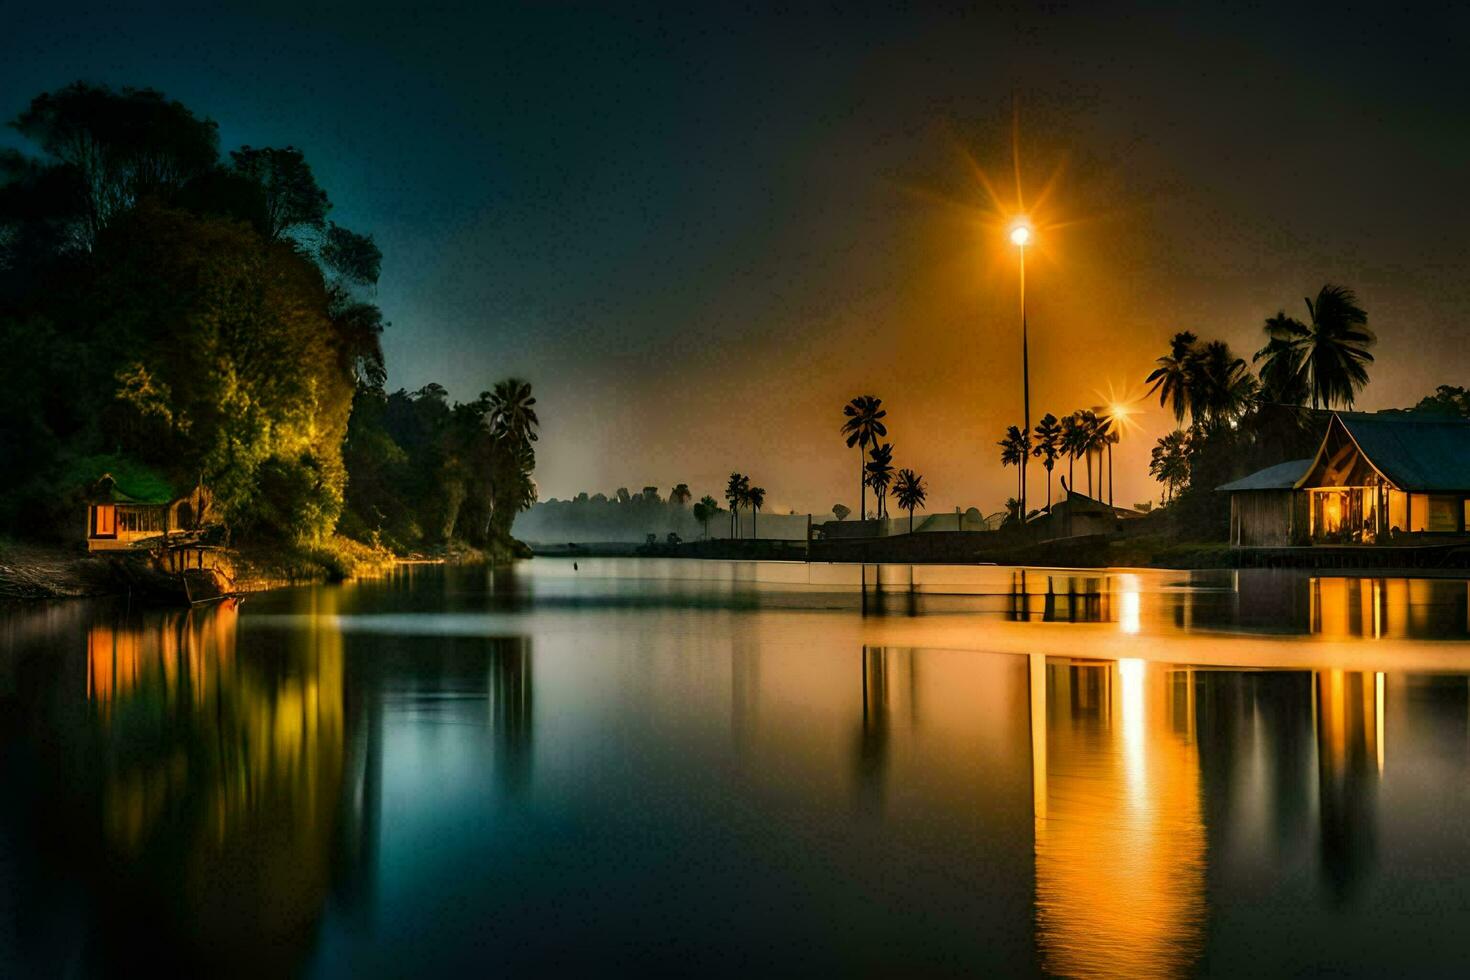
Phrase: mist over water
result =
(735, 767)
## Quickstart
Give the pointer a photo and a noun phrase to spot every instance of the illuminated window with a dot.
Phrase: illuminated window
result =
(105, 521)
(1418, 512)
(1398, 510)
(1444, 513)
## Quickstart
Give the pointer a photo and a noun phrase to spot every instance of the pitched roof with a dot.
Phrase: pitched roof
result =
(1416, 452)
(129, 482)
(1282, 476)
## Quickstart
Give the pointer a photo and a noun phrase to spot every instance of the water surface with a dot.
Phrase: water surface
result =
(727, 768)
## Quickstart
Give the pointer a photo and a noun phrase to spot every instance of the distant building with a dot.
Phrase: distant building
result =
(1376, 479)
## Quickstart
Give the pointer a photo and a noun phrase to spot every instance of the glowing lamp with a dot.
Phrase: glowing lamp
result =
(1021, 235)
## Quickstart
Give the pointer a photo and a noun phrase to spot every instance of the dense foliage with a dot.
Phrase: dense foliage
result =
(201, 317)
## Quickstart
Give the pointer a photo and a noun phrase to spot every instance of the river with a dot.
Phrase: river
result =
(728, 768)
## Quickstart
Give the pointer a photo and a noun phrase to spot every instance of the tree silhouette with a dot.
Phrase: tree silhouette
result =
(1169, 462)
(863, 427)
(1013, 450)
(880, 475)
(680, 495)
(1327, 356)
(756, 498)
(704, 512)
(910, 492)
(734, 496)
(1073, 442)
(1171, 379)
(1047, 446)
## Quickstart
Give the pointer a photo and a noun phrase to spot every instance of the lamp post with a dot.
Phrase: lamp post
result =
(1021, 237)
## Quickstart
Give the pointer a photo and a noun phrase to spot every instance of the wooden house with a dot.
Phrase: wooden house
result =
(127, 509)
(1385, 478)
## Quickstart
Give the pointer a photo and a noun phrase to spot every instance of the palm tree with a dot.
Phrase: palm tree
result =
(735, 489)
(756, 498)
(1169, 462)
(1328, 355)
(1171, 379)
(704, 512)
(864, 426)
(910, 491)
(1222, 386)
(1074, 444)
(1048, 433)
(512, 410)
(680, 495)
(1089, 441)
(1107, 437)
(880, 475)
(1013, 450)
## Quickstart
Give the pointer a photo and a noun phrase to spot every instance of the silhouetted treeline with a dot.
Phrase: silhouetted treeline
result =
(199, 316)
(623, 516)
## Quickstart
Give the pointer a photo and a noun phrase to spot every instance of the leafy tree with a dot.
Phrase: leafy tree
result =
(356, 258)
(705, 511)
(1047, 446)
(680, 495)
(290, 195)
(118, 146)
(863, 427)
(910, 492)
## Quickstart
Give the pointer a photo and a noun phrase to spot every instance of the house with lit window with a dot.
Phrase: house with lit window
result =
(1386, 478)
(128, 503)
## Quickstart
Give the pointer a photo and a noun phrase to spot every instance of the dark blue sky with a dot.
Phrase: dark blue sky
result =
(698, 232)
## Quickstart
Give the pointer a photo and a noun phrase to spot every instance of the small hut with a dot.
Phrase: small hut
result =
(129, 503)
(1265, 508)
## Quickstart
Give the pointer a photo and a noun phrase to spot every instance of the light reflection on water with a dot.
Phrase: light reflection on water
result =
(731, 767)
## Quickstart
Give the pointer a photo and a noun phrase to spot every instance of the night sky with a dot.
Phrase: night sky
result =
(699, 232)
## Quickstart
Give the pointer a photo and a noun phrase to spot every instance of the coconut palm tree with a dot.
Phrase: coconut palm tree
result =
(1328, 353)
(756, 498)
(1047, 446)
(864, 427)
(1089, 441)
(704, 512)
(1013, 450)
(1222, 387)
(1169, 462)
(512, 410)
(1172, 378)
(735, 490)
(880, 475)
(910, 492)
(1073, 441)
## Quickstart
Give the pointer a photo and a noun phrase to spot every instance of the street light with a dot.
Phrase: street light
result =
(1021, 237)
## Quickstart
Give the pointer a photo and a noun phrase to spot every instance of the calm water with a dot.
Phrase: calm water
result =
(741, 768)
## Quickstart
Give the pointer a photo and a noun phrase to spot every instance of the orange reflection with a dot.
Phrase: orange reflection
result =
(1120, 837)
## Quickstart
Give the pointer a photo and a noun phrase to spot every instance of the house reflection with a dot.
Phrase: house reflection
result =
(1350, 753)
(218, 779)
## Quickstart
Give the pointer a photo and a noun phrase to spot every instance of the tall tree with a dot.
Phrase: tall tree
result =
(1047, 446)
(863, 426)
(1013, 449)
(1073, 442)
(756, 498)
(910, 492)
(291, 197)
(1171, 379)
(1329, 352)
(735, 489)
(1169, 462)
(704, 512)
(880, 475)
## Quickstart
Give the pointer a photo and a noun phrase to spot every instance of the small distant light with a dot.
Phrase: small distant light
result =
(1020, 235)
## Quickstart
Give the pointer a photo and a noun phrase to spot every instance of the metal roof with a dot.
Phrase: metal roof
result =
(1422, 453)
(1282, 476)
